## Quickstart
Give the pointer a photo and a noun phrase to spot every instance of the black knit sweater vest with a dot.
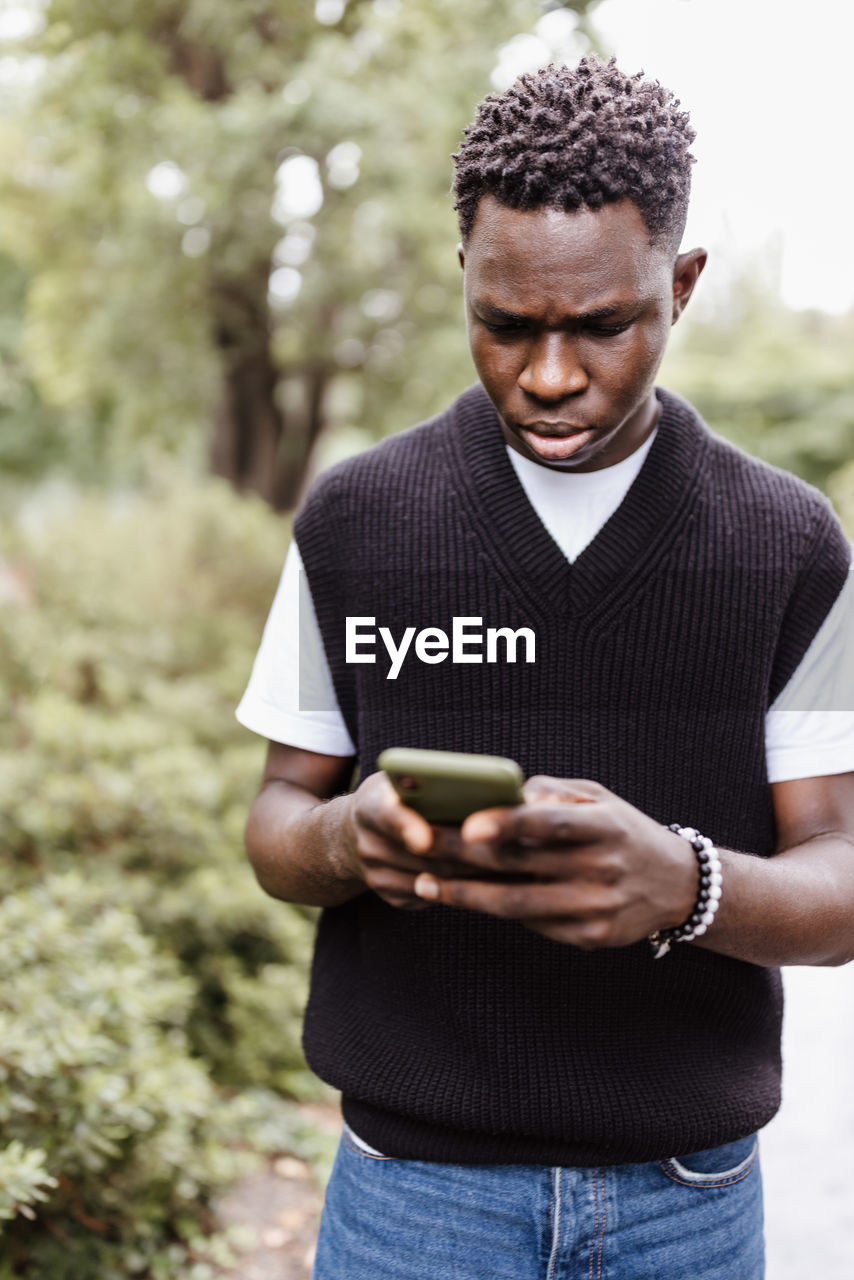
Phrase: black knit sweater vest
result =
(456, 1036)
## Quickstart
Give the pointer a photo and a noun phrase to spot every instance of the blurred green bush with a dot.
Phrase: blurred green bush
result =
(841, 493)
(148, 979)
(104, 1111)
(778, 383)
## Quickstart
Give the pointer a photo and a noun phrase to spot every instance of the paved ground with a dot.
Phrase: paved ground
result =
(808, 1149)
(281, 1207)
(807, 1155)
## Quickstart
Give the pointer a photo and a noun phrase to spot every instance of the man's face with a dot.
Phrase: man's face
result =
(568, 317)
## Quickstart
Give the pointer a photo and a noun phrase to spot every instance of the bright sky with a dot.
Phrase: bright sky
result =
(768, 86)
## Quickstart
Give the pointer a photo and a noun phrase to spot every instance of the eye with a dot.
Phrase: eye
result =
(608, 331)
(512, 327)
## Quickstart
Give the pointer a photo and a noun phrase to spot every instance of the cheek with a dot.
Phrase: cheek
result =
(636, 362)
(655, 341)
(496, 365)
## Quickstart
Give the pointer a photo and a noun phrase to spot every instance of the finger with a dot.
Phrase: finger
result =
(450, 856)
(544, 862)
(457, 869)
(486, 824)
(544, 790)
(556, 824)
(511, 901)
(396, 888)
(379, 850)
(447, 842)
(389, 816)
(572, 819)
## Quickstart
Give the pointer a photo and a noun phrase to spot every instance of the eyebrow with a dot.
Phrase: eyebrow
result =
(598, 313)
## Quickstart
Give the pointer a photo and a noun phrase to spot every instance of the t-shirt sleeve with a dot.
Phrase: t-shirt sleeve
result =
(290, 697)
(809, 729)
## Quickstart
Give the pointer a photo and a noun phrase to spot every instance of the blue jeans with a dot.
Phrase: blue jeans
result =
(698, 1217)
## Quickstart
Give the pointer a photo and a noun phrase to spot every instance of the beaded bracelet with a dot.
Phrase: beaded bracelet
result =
(708, 897)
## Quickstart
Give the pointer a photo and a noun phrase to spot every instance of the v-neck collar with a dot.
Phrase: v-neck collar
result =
(647, 519)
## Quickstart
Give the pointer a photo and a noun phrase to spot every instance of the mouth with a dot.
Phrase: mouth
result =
(555, 441)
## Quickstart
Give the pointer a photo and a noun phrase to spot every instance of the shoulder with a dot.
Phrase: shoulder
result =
(775, 532)
(412, 457)
(755, 496)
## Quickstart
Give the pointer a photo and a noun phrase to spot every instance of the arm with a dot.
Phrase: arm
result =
(605, 874)
(306, 846)
(295, 842)
(797, 907)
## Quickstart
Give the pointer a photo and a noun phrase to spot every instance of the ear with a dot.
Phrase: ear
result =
(461, 255)
(686, 272)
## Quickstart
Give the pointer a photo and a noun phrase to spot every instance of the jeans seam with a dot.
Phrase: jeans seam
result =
(556, 1180)
(604, 1225)
(599, 1223)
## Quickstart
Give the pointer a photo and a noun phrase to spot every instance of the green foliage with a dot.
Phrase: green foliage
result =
(140, 300)
(779, 383)
(841, 492)
(152, 994)
(109, 1159)
(31, 440)
(120, 751)
(23, 1179)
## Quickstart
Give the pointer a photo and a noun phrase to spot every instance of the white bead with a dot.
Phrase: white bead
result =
(711, 871)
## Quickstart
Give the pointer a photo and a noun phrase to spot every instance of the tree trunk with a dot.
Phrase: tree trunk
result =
(248, 425)
(250, 446)
(297, 446)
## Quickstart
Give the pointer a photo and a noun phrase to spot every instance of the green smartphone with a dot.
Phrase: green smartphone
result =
(446, 786)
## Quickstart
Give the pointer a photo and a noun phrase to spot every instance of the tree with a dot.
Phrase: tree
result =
(161, 149)
(777, 382)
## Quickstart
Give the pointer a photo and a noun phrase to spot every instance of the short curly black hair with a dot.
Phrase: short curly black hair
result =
(579, 137)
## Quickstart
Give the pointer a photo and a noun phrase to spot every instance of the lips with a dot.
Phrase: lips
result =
(551, 444)
(551, 430)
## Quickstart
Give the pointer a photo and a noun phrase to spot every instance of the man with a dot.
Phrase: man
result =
(557, 1031)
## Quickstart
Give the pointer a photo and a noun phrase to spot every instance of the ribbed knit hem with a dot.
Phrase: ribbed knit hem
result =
(407, 1138)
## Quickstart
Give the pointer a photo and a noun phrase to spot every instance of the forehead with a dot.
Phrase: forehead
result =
(583, 257)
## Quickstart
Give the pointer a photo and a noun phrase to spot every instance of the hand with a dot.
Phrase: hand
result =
(385, 844)
(600, 873)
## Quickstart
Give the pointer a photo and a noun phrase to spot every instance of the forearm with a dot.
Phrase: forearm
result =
(298, 846)
(794, 908)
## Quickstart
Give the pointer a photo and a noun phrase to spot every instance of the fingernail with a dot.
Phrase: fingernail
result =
(415, 840)
(480, 829)
(426, 887)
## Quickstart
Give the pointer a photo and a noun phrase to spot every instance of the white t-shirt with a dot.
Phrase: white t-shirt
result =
(290, 698)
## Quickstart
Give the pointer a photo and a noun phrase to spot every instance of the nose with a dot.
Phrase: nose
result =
(553, 369)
